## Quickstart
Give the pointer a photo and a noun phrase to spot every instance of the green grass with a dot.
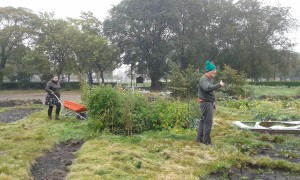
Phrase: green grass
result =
(152, 155)
(23, 141)
(171, 154)
(276, 90)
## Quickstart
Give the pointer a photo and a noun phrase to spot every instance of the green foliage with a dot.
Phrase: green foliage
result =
(103, 101)
(13, 35)
(183, 83)
(274, 92)
(276, 83)
(234, 81)
(131, 112)
(149, 45)
(263, 110)
(242, 104)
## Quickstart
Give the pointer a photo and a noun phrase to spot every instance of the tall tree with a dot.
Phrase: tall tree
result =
(105, 58)
(190, 42)
(142, 31)
(17, 27)
(94, 53)
(258, 32)
(58, 40)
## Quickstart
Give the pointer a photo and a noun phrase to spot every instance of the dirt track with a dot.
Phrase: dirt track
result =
(54, 165)
(25, 95)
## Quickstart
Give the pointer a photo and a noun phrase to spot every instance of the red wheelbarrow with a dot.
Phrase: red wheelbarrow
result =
(78, 109)
(74, 108)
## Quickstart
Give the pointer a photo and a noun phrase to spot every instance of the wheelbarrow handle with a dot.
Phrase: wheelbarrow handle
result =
(57, 99)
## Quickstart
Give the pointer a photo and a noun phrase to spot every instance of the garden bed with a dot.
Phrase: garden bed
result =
(12, 103)
(253, 173)
(54, 165)
(16, 114)
(281, 153)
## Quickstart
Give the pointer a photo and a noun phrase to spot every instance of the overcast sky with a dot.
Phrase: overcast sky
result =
(72, 8)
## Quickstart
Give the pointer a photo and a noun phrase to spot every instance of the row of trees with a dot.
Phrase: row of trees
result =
(247, 35)
(147, 35)
(32, 44)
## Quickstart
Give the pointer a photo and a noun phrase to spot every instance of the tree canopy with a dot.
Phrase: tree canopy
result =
(247, 35)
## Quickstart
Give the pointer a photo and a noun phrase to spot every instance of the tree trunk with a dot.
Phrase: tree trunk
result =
(131, 74)
(1, 77)
(102, 76)
(274, 75)
(90, 78)
(154, 81)
(2, 65)
(59, 73)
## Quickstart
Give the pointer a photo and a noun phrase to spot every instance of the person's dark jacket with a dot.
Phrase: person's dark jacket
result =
(53, 87)
(207, 89)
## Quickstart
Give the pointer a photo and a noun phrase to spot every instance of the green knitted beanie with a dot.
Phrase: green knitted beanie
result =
(209, 66)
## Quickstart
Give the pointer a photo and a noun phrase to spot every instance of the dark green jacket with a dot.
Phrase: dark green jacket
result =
(207, 89)
(53, 87)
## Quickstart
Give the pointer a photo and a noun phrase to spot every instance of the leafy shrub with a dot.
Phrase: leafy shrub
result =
(235, 82)
(104, 104)
(184, 83)
(131, 112)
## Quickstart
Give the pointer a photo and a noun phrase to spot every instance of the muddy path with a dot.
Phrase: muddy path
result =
(55, 164)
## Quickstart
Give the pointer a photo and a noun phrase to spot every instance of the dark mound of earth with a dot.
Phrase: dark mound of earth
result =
(54, 165)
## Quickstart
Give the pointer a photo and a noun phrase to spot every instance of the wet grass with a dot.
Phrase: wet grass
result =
(171, 154)
(276, 90)
(21, 142)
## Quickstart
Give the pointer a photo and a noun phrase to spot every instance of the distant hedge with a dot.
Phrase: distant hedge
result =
(42, 85)
(276, 83)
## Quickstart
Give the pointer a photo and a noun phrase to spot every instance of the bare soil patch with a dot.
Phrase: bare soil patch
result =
(12, 103)
(281, 153)
(16, 114)
(74, 96)
(253, 173)
(54, 165)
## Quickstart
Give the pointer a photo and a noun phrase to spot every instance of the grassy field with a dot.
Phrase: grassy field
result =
(168, 154)
(275, 90)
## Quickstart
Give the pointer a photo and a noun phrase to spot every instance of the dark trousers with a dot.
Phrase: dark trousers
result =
(206, 121)
(57, 111)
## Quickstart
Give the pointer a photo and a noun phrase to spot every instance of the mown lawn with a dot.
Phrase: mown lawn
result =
(168, 154)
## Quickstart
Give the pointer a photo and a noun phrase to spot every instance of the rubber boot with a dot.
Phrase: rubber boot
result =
(57, 117)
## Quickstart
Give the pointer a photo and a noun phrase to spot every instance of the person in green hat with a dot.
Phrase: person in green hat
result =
(207, 100)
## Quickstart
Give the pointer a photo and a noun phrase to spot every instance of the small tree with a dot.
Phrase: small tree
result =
(183, 83)
(234, 80)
